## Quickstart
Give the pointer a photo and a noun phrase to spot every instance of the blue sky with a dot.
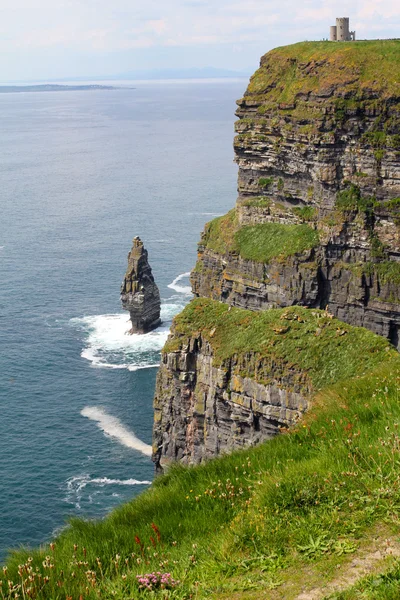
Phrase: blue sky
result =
(65, 38)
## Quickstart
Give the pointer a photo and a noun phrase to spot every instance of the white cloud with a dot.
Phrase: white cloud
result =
(93, 28)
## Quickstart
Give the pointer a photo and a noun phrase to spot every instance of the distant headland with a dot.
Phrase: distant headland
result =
(52, 87)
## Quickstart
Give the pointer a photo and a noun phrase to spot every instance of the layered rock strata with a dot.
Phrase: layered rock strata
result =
(202, 410)
(139, 292)
(231, 378)
(316, 224)
(318, 143)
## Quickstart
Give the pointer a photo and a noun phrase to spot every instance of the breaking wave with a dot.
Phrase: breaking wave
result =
(107, 345)
(182, 289)
(75, 487)
(113, 427)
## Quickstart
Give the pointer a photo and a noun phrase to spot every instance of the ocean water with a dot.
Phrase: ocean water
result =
(82, 173)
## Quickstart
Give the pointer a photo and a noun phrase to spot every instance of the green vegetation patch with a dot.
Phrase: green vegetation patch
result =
(393, 208)
(264, 242)
(257, 202)
(368, 66)
(219, 233)
(303, 340)
(260, 243)
(388, 271)
(351, 200)
(265, 182)
(306, 213)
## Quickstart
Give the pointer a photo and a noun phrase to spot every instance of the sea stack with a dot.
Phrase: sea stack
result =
(139, 292)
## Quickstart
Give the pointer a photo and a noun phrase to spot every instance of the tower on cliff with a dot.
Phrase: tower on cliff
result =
(341, 31)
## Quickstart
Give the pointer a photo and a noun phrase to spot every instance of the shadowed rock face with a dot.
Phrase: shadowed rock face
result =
(139, 293)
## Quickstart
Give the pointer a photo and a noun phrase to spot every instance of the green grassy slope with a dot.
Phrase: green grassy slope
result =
(256, 523)
(260, 243)
(311, 342)
(370, 66)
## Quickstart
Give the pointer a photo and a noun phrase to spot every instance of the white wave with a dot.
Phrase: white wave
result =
(139, 368)
(106, 481)
(207, 214)
(183, 289)
(108, 346)
(115, 429)
(77, 484)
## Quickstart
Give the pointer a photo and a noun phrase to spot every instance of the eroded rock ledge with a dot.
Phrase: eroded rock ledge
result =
(230, 378)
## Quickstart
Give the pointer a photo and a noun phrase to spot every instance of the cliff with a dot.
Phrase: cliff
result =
(139, 292)
(230, 378)
(317, 220)
(316, 225)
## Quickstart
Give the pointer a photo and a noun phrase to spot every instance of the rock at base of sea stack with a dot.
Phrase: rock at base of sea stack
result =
(139, 292)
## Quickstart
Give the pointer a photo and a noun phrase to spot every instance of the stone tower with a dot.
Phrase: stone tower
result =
(341, 31)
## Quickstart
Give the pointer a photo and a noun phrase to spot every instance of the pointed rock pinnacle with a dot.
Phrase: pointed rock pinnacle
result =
(139, 292)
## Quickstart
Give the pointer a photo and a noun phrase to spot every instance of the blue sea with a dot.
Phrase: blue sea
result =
(82, 173)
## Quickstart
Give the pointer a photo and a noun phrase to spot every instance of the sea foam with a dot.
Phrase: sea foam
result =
(113, 427)
(182, 289)
(108, 345)
(75, 487)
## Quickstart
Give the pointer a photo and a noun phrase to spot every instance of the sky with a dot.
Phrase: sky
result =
(50, 39)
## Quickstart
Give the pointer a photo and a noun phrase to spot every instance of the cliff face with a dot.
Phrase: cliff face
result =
(139, 292)
(230, 378)
(317, 146)
(202, 410)
(316, 224)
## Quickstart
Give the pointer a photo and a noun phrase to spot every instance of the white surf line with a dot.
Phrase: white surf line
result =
(106, 481)
(79, 482)
(141, 367)
(114, 428)
(183, 289)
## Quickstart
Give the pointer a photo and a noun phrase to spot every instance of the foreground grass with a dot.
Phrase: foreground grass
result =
(260, 243)
(246, 522)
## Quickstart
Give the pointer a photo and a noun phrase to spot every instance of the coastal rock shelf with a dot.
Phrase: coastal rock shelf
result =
(139, 292)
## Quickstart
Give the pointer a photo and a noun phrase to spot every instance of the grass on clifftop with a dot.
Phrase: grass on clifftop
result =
(266, 523)
(316, 66)
(294, 339)
(260, 243)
